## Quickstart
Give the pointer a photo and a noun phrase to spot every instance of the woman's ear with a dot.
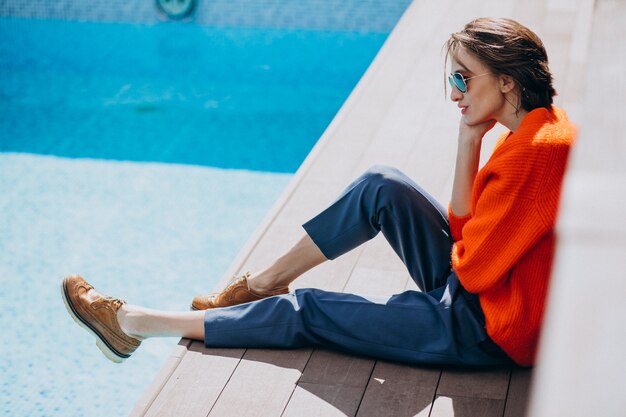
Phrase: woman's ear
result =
(507, 83)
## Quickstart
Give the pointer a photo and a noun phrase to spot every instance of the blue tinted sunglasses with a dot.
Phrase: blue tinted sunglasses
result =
(457, 80)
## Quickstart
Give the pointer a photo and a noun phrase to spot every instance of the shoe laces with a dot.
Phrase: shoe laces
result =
(236, 280)
(116, 302)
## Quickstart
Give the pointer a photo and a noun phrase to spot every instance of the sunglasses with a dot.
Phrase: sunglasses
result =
(457, 80)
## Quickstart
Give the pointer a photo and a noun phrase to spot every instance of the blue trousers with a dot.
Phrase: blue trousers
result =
(443, 324)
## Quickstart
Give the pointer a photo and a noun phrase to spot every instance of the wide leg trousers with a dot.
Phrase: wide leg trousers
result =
(442, 324)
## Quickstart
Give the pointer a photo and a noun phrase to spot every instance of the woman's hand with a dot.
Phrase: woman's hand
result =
(474, 133)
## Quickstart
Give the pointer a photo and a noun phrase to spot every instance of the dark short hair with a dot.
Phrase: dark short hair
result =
(509, 48)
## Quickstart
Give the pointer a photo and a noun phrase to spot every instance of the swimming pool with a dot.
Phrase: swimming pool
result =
(141, 156)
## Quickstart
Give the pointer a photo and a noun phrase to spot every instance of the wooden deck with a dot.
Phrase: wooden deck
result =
(397, 115)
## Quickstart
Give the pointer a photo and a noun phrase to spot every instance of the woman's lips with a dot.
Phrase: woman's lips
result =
(463, 109)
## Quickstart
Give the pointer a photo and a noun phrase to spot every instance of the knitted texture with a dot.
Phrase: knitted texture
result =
(504, 248)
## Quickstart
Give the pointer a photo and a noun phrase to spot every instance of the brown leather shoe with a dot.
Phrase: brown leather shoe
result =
(97, 314)
(236, 293)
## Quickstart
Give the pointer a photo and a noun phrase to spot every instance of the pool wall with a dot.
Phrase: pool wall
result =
(351, 15)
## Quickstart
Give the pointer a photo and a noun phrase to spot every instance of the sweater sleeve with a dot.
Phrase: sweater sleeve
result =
(457, 223)
(505, 224)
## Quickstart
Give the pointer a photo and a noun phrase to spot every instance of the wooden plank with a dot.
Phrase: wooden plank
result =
(376, 282)
(407, 112)
(399, 390)
(530, 13)
(379, 254)
(517, 396)
(331, 385)
(196, 383)
(331, 275)
(313, 196)
(471, 393)
(370, 102)
(450, 406)
(411, 285)
(474, 383)
(141, 407)
(278, 239)
(262, 383)
(562, 5)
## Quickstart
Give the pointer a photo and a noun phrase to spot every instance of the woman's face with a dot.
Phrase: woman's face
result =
(483, 99)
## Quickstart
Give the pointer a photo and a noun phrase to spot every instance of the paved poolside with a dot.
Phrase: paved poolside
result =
(398, 115)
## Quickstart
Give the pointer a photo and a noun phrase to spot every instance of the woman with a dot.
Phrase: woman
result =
(483, 266)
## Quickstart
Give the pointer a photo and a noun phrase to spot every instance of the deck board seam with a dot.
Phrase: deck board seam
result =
(471, 397)
(369, 380)
(361, 249)
(295, 386)
(226, 383)
(165, 380)
(353, 267)
(432, 401)
(508, 390)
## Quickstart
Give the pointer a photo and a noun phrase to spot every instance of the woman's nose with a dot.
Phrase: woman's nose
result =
(455, 94)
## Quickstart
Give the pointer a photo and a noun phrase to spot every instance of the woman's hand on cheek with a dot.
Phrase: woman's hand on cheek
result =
(474, 133)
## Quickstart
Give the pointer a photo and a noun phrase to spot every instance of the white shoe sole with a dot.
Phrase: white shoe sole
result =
(108, 351)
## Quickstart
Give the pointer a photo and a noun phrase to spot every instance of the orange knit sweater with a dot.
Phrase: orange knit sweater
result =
(504, 248)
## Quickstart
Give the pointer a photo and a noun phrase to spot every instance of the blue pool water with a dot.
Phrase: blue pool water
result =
(230, 98)
(141, 157)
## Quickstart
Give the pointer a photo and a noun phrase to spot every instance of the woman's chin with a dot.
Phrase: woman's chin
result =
(469, 120)
(472, 121)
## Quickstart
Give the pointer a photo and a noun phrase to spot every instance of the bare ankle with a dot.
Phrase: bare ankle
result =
(263, 283)
(126, 317)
